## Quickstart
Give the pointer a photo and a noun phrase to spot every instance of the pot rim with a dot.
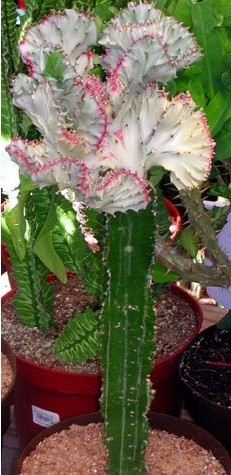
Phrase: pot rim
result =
(179, 425)
(174, 287)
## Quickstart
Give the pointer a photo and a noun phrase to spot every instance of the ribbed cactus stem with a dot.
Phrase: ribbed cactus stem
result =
(127, 325)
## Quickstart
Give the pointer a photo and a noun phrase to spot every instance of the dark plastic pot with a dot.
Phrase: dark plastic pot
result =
(211, 416)
(8, 400)
(165, 422)
(45, 396)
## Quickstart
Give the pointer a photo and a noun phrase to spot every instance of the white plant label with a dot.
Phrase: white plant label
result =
(43, 417)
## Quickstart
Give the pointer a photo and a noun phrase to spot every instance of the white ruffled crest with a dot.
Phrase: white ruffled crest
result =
(139, 39)
(118, 190)
(144, 62)
(151, 130)
(35, 160)
(70, 33)
(38, 101)
(180, 140)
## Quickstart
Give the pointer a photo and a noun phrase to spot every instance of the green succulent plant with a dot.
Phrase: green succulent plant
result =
(100, 141)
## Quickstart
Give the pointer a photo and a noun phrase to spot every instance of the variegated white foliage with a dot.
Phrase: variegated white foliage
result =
(150, 130)
(143, 45)
(70, 33)
(93, 150)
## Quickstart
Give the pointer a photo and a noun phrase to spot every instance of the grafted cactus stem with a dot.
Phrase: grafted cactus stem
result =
(127, 325)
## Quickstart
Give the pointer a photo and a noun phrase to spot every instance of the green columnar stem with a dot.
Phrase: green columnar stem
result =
(127, 325)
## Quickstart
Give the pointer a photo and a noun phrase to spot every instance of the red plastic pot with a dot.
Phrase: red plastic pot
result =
(164, 422)
(45, 396)
(8, 400)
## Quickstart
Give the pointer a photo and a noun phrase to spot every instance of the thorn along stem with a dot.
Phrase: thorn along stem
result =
(127, 324)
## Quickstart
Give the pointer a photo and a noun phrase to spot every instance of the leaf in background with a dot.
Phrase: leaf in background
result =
(69, 243)
(156, 174)
(44, 248)
(204, 23)
(189, 241)
(54, 65)
(196, 89)
(80, 338)
(218, 111)
(104, 10)
(161, 274)
(224, 8)
(223, 142)
(16, 223)
(219, 216)
(182, 11)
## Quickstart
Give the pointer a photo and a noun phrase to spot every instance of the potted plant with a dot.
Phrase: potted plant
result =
(52, 232)
(197, 450)
(205, 366)
(106, 152)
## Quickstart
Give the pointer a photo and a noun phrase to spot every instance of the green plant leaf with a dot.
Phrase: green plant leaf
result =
(195, 87)
(70, 245)
(204, 23)
(218, 111)
(156, 174)
(44, 248)
(54, 65)
(161, 274)
(223, 141)
(16, 223)
(182, 11)
(189, 241)
(80, 338)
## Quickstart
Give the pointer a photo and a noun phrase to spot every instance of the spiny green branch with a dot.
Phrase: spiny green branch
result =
(215, 275)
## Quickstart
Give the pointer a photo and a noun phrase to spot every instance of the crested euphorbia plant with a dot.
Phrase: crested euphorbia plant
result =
(100, 140)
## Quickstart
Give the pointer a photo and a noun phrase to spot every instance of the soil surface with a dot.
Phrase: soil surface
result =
(6, 375)
(207, 366)
(176, 321)
(80, 450)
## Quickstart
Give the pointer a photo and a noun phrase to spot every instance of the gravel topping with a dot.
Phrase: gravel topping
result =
(176, 321)
(6, 375)
(168, 454)
(79, 450)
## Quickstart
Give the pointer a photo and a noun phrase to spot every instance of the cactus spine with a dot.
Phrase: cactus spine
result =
(127, 325)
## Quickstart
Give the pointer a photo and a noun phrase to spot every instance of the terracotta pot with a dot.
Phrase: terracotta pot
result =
(165, 422)
(8, 400)
(45, 396)
(216, 418)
